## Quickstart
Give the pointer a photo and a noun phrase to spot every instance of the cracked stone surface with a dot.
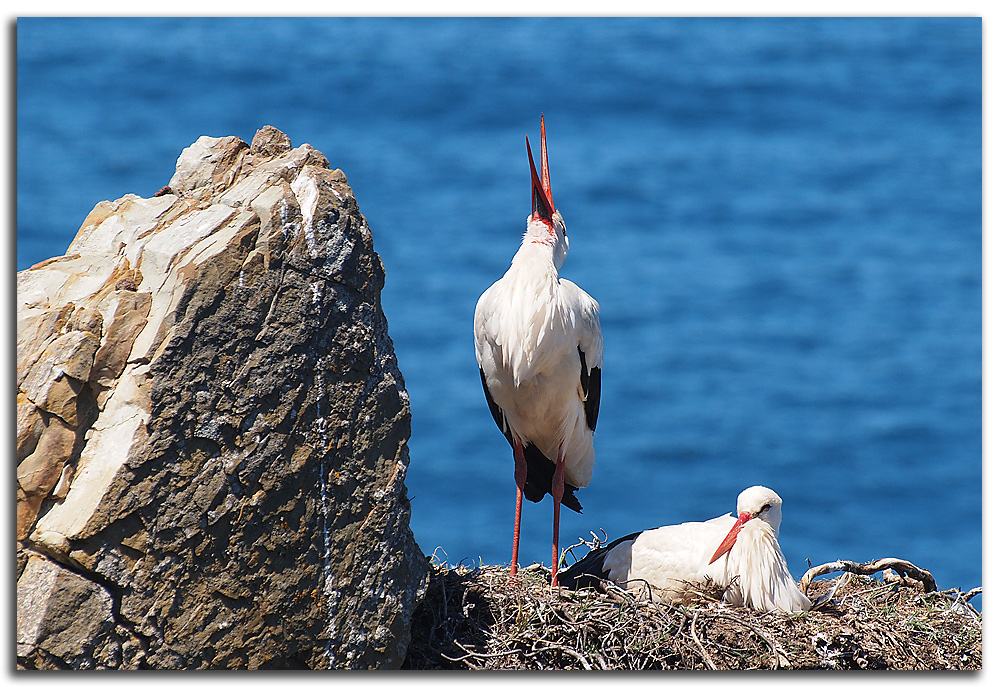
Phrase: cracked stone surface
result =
(212, 429)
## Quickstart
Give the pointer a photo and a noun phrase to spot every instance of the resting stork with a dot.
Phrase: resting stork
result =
(539, 349)
(739, 554)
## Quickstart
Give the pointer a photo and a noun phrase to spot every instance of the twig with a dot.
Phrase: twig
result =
(470, 653)
(780, 656)
(463, 659)
(566, 650)
(963, 597)
(896, 564)
(590, 545)
(700, 647)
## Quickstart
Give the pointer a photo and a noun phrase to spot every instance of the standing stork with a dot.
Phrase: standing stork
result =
(539, 349)
(739, 554)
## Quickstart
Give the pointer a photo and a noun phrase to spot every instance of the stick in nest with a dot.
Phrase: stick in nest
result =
(896, 564)
(700, 647)
(595, 543)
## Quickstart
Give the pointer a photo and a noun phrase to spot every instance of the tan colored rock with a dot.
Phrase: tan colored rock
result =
(30, 426)
(120, 428)
(71, 279)
(27, 512)
(206, 166)
(87, 320)
(129, 311)
(270, 172)
(72, 354)
(65, 479)
(39, 472)
(55, 381)
(113, 227)
(36, 328)
(54, 392)
(270, 142)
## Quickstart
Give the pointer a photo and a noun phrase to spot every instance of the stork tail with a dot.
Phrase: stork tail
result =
(587, 571)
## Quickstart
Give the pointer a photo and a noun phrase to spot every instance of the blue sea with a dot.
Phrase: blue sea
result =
(780, 218)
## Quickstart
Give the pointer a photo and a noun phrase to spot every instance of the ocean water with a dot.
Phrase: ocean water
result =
(780, 218)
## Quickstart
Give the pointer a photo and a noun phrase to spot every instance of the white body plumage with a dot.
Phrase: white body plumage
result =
(530, 328)
(740, 554)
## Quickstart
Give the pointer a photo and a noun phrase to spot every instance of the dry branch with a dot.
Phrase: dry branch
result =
(897, 564)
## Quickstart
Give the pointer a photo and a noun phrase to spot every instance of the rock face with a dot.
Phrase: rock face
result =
(212, 428)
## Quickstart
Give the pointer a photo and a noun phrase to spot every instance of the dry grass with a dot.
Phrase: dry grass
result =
(475, 618)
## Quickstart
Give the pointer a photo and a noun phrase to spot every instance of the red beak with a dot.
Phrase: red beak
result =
(541, 188)
(729, 541)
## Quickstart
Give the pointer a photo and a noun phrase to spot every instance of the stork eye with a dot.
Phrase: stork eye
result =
(766, 507)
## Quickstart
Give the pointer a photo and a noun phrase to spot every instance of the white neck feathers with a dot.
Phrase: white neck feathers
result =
(764, 581)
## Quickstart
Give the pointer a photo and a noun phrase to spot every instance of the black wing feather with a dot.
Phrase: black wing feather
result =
(496, 411)
(540, 469)
(589, 377)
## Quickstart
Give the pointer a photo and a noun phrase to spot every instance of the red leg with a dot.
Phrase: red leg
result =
(520, 477)
(558, 488)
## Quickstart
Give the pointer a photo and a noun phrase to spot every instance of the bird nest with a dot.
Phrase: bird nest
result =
(476, 618)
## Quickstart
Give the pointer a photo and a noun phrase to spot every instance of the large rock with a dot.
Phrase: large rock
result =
(212, 429)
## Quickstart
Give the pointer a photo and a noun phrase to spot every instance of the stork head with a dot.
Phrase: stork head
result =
(545, 225)
(755, 503)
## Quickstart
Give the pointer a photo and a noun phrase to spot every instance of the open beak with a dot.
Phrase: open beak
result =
(729, 541)
(541, 188)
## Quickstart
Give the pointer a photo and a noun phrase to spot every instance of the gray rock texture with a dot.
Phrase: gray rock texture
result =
(212, 429)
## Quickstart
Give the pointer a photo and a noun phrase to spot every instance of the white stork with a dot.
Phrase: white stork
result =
(539, 349)
(740, 554)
